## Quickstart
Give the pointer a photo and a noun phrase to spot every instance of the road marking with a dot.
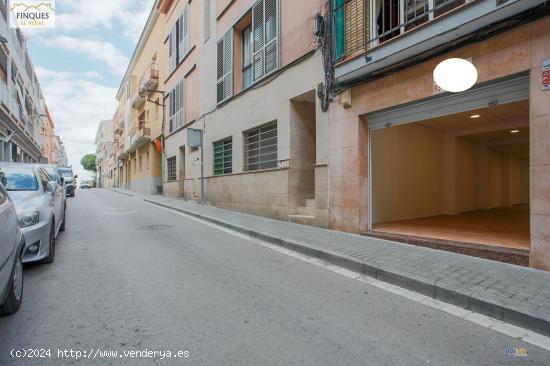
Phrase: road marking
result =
(496, 325)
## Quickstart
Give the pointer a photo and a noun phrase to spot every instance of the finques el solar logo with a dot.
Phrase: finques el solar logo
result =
(32, 14)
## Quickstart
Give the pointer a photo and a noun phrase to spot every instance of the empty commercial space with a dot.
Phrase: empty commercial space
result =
(457, 180)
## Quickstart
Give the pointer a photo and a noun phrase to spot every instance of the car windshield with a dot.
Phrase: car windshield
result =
(20, 178)
(66, 172)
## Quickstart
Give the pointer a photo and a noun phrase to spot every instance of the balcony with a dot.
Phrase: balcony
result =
(388, 32)
(150, 78)
(147, 83)
(138, 100)
(119, 126)
(140, 137)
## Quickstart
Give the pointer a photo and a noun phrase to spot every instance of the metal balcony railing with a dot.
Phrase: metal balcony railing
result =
(363, 24)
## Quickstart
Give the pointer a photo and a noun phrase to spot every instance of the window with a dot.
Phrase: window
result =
(223, 157)
(140, 163)
(128, 90)
(44, 178)
(177, 106)
(183, 34)
(265, 38)
(206, 22)
(260, 147)
(178, 40)
(247, 58)
(172, 49)
(225, 66)
(171, 168)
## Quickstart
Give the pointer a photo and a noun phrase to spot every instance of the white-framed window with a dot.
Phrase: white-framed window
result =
(265, 38)
(177, 106)
(178, 40)
(246, 57)
(225, 66)
(260, 147)
(183, 34)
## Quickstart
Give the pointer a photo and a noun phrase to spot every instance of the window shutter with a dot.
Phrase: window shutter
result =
(271, 53)
(225, 66)
(339, 29)
(258, 40)
(265, 33)
(182, 102)
(184, 34)
(172, 47)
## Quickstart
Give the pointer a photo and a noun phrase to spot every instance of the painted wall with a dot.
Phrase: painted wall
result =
(407, 172)
(521, 49)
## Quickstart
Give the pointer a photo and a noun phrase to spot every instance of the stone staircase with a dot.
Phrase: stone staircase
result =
(305, 215)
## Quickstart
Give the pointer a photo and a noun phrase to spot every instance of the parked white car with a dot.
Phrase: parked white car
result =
(40, 209)
(12, 245)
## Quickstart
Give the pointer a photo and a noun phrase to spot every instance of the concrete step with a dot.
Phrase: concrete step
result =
(308, 211)
(302, 219)
(310, 202)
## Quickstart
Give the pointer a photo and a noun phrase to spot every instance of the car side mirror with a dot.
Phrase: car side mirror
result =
(51, 187)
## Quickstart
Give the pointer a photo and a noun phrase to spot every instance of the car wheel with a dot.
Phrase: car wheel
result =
(51, 254)
(62, 228)
(15, 291)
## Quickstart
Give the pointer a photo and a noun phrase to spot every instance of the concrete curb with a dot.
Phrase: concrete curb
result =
(477, 302)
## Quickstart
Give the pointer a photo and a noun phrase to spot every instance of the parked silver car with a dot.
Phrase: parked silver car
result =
(56, 176)
(40, 209)
(69, 180)
(12, 245)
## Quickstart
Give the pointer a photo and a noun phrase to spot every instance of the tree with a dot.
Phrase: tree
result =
(88, 162)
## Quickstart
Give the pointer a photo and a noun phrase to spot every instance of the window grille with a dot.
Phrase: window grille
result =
(260, 147)
(171, 168)
(223, 157)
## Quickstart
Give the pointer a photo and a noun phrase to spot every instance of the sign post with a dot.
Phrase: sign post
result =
(195, 140)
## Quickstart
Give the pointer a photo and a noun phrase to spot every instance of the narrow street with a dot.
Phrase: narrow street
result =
(132, 276)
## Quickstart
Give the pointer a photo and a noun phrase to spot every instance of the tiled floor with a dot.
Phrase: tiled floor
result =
(505, 227)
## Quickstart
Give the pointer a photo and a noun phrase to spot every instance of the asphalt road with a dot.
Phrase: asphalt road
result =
(129, 276)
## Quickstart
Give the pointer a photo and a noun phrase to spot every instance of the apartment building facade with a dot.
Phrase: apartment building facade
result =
(22, 107)
(138, 121)
(104, 145)
(243, 74)
(467, 171)
(48, 136)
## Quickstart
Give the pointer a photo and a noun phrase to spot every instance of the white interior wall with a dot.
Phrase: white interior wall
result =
(420, 171)
(407, 172)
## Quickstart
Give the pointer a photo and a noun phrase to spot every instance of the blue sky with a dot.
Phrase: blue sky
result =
(80, 64)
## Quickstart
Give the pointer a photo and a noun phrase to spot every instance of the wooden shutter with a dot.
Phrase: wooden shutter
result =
(225, 66)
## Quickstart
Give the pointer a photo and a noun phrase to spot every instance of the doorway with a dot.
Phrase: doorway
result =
(460, 179)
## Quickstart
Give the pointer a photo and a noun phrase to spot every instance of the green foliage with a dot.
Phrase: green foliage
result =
(88, 162)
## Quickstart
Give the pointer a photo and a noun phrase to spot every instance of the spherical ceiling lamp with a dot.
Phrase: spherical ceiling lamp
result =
(455, 75)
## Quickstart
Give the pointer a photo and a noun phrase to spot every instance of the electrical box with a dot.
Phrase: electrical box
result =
(194, 138)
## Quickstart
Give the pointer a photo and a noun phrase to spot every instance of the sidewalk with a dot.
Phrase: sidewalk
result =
(507, 292)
